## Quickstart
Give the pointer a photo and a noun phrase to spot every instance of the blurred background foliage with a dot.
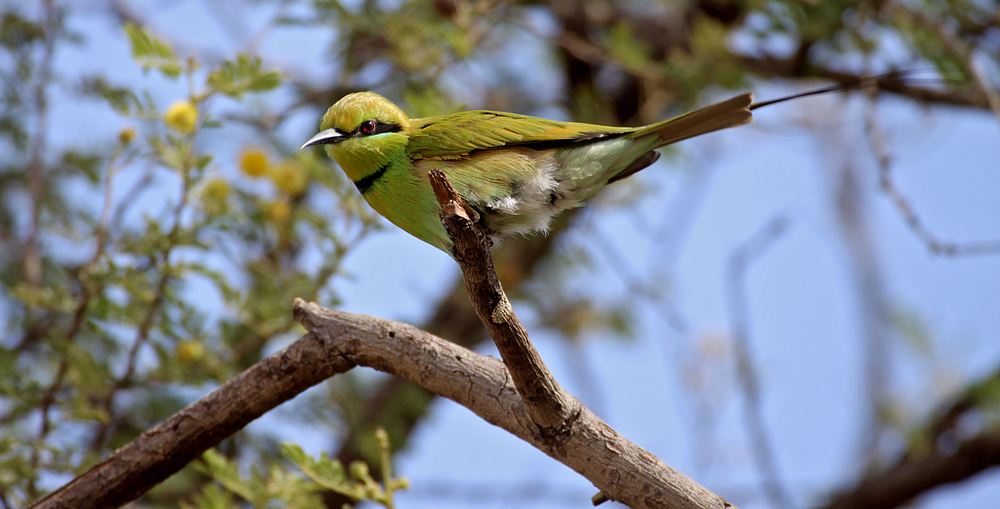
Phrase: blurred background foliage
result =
(138, 271)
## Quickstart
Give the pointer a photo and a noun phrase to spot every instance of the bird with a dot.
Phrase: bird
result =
(516, 171)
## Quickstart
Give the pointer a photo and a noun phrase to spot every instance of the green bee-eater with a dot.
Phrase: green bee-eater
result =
(516, 171)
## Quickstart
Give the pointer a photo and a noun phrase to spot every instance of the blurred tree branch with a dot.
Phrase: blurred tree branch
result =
(979, 395)
(909, 477)
(953, 43)
(934, 244)
(775, 67)
(747, 373)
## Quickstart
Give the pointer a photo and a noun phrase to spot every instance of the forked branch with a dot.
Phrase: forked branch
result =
(557, 423)
(525, 401)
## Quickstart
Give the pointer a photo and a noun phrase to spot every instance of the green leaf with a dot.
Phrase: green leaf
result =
(172, 151)
(213, 497)
(226, 473)
(355, 481)
(84, 373)
(83, 409)
(626, 49)
(328, 473)
(13, 128)
(50, 298)
(90, 165)
(986, 392)
(121, 99)
(16, 32)
(201, 162)
(151, 52)
(243, 75)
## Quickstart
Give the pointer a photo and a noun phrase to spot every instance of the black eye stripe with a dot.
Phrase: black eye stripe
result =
(379, 129)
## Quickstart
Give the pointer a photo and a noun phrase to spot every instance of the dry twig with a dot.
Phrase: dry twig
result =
(934, 244)
(746, 372)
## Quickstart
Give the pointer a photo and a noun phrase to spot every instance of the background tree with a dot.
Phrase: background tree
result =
(157, 224)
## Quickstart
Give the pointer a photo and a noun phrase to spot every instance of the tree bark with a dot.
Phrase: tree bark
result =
(167, 447)
(620, 469)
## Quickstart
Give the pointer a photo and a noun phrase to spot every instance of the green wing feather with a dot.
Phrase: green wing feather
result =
(455, 136)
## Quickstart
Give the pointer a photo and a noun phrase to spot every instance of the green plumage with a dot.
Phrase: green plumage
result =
(517, 171)
(458, 134)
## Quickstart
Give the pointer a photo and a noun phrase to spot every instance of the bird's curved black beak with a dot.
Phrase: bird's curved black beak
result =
(326, 137)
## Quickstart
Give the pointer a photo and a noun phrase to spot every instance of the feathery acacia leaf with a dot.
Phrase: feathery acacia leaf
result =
(151, 52)
(243, 75)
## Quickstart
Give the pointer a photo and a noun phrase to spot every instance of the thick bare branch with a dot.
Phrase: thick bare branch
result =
(165, 448)
(552, 419)
(549, 405)
(338, 341)
(454, 318)
(621, 469)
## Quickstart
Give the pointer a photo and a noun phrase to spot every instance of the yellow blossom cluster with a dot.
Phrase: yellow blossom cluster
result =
(288, 176)
(190, 352)
(126, 135)
(181, 116)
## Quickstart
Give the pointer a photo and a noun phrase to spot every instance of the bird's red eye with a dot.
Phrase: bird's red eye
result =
(368, 126)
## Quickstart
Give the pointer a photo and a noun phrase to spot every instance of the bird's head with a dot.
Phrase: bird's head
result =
(363, 132)
(356, 120)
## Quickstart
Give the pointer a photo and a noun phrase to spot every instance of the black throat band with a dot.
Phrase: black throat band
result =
(365, 184)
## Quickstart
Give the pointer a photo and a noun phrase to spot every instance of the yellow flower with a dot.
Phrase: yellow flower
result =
(253, 162)
(290, 177)
(279, 212)
(126, 135)
(189, 352)
(182, 116)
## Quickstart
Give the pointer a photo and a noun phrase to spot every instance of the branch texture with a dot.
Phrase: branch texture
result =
(622, 470)
(559, 424)
(550, 406)
(165, 448)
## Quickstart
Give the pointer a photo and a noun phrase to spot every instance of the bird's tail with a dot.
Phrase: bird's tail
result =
(728, 113)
